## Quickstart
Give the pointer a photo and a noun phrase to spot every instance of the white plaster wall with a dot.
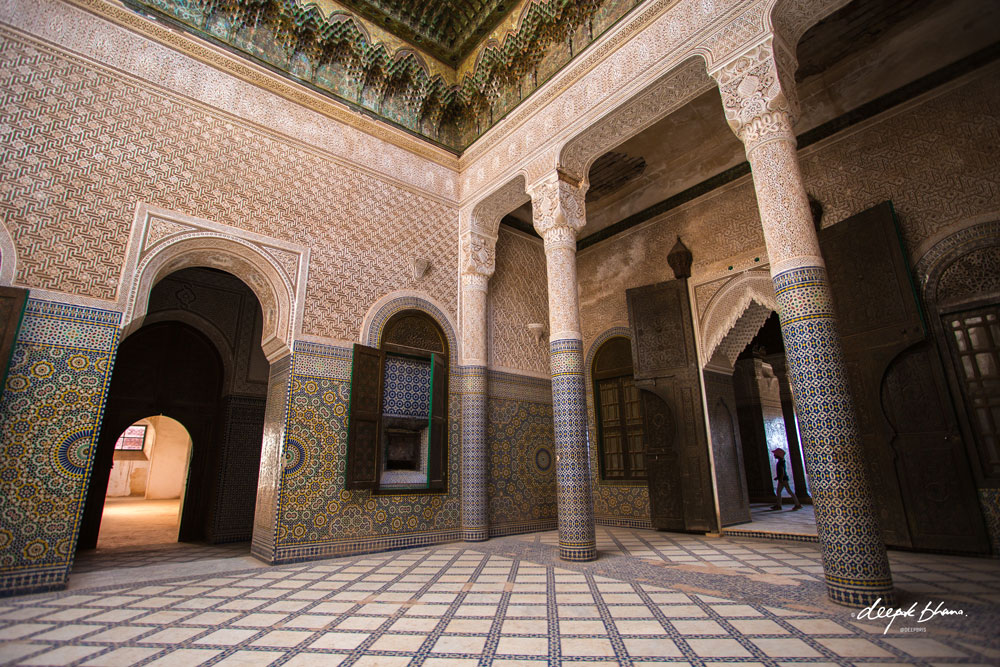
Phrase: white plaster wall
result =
(128, 478)
(169, 459)
(128, 475)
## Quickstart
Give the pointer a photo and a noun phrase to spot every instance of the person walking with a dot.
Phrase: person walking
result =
(781, 475)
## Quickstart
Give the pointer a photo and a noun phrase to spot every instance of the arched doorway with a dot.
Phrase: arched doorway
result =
(197, 359)
(751, 414)
(962, 294)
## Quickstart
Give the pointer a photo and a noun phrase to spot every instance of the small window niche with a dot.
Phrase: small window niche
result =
(406, 403)
(397, 438)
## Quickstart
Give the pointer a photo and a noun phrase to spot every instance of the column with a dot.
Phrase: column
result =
(478, 263)
(558, 214)
(759, 105)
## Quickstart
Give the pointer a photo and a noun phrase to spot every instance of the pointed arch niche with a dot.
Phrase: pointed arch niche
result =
(163, 242)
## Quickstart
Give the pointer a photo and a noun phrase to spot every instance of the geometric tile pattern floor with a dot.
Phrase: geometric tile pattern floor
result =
(650, 599)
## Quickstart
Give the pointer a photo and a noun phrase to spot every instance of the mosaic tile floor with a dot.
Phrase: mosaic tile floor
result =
(650, 599)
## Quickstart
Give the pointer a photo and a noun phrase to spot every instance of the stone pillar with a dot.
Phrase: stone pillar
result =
(558, 214)
(478, 263)
(760, 107)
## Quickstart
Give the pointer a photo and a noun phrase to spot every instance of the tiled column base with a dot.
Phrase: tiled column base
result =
(854, 558)
(475, 518)
(573, 492)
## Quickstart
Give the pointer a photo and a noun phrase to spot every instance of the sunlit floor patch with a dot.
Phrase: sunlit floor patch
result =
(132, 521)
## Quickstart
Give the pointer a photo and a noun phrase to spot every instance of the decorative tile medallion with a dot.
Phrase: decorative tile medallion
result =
(50, 415)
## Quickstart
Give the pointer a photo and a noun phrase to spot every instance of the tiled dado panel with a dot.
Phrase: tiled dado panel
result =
(317, 516)
(83, 144)
(623, 504)
(50, 413)
(522, 465)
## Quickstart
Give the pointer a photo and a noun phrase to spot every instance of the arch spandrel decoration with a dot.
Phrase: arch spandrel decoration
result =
(164, 242)
(677, 88)
(485, 215)
(940, 267)
(390, 304)
(728, 304)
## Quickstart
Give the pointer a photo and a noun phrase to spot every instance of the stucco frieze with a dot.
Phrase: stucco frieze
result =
(646, 48)
(118, 38)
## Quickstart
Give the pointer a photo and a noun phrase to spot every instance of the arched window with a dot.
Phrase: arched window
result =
(397, 439)
(620, 437)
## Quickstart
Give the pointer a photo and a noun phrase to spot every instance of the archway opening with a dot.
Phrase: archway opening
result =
(195, 365)
(146, 485)
(752, 416)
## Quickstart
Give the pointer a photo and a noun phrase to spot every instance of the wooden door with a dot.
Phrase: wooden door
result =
(666, 370)
(734, 501)
(12, 303)
(921, 478)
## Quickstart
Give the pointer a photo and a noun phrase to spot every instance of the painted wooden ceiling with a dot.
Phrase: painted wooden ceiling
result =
(444, 70)
(447, 29)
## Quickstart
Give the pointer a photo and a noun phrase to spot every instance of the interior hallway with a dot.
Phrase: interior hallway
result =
(651, 598)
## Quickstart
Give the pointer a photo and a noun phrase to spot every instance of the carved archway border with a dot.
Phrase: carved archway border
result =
(790, 19)
(942, 255)
(618, 331)
(728, 304)
(163, 242)
(668, 94)
(8, 256)
(390, 304)
(484, 216)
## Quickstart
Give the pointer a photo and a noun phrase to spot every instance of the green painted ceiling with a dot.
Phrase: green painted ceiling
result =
(447, 29)
(333, 51)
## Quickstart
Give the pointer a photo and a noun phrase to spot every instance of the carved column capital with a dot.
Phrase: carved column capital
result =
(475, 281)
(557, 207)
(478, 257)
(758, 93)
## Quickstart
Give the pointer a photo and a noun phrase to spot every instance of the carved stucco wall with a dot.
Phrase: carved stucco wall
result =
(934, 157)
(746, 327)
(518, 295)
(715, 227)
(69, 204)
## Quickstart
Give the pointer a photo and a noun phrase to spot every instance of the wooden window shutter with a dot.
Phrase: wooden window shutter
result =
(365, 421)
(12, 303)
(437, 464)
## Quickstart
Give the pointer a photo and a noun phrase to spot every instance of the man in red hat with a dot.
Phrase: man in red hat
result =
(782, 476)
